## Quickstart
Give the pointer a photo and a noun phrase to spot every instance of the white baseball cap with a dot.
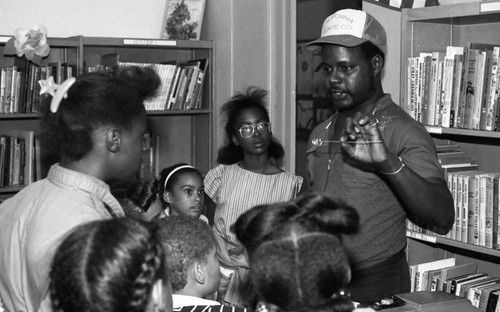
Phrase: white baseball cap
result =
(350, 28)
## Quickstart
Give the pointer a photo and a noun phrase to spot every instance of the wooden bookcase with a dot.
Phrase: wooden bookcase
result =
(432, 29)
(184, 135)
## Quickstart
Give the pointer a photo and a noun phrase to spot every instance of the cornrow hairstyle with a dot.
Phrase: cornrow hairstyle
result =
(186, 240)
(304, 237)
(253, 97)
(108, 265)
(139, 197)
(96, 99)
(173, 179)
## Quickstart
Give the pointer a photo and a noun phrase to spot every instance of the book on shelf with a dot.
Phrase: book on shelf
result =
(17, 159)
(472, 56)
(474, 290)
(455, 159)
(487, 213)
(478, 89)
(446, 279)
(489, 114)
(485, 294)
(433, 101)
(496, 214)
(493, 301)
(172, 94)
(463, 283)
(458, 59)
(419, 280)
(197, 97)
(424, 62)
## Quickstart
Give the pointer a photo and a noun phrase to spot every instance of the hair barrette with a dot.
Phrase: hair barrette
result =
(58, 92)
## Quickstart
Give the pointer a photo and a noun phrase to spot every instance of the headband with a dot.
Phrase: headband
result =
(58, 92)
(174, 171)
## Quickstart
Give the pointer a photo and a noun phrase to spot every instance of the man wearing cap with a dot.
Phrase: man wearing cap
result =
(374, 156)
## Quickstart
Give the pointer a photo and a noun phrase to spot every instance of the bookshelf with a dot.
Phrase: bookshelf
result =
(424, 30)
(183, 135)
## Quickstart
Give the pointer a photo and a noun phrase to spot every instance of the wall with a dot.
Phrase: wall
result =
(63, 18)
(255, 46)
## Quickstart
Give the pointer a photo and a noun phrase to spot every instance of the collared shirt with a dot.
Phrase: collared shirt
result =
(34, 222)
(382, 218)
(179, 301)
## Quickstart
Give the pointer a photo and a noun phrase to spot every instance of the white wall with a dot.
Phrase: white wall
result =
(64, 18)
(254, 46)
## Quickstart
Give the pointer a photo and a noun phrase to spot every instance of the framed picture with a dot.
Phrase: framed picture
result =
(182, 19)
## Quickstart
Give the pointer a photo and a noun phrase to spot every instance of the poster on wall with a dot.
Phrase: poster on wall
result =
(182, 19)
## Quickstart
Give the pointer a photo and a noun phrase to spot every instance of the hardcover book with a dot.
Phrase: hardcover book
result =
(182, 19)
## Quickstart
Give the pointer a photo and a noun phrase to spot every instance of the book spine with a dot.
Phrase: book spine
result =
(488, 239)
(478, 90)
(482, 211)
(465, 208)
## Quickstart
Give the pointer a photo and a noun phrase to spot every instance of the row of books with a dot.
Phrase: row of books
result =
(462, 280)
(456, 88)
(19, 87)
(17, 158)
(476, 197)
(181, 82)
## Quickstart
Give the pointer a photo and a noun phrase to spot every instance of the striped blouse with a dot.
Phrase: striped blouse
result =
(235, 190)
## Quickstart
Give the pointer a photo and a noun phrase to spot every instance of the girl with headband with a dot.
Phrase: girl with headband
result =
(182, 191)
(96, 124)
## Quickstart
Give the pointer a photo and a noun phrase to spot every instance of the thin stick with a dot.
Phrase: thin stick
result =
(319, 143)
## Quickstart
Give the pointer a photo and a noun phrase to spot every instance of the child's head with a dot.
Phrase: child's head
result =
(110, 265)
(141, 200)
(302, 236)
(191, 255)
(248, 128)
(102, 118)
(182, 190)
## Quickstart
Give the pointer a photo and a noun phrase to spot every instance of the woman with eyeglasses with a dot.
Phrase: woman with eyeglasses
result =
(247, 175)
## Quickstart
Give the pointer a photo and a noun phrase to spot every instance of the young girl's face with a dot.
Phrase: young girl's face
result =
(258, 142)
(186, 197)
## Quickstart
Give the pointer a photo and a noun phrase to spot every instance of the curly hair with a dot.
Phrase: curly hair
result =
(139, 197)
(297, 260)
(96, 99)
(109, 265)
(186, 240)
(253, 97)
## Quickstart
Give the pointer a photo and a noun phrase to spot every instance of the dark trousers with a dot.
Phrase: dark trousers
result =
(390, 277)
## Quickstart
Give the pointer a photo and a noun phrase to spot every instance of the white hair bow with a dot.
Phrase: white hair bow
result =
(58, 92)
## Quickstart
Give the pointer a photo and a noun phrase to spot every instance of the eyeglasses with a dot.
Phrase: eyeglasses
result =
(247, 131)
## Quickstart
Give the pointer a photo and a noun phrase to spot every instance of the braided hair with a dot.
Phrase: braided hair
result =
(109, 265)
(297, 260)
